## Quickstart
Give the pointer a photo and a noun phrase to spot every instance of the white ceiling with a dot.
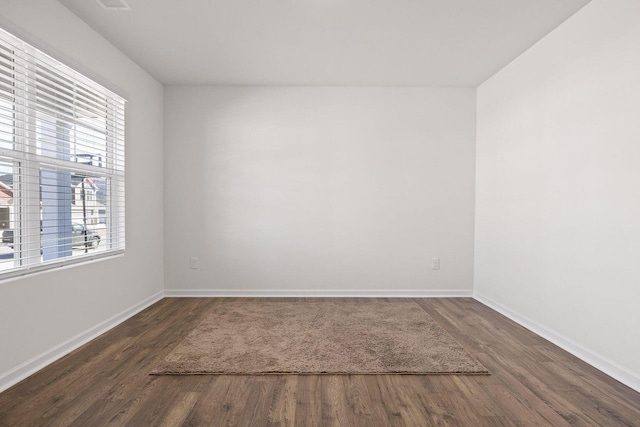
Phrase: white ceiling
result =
(326, 42)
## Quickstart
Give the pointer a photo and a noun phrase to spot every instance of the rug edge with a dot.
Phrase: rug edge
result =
(176, 373)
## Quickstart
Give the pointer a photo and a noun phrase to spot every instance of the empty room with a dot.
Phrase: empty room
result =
(278, 213)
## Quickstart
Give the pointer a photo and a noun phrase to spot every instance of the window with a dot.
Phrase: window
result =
(61, 163)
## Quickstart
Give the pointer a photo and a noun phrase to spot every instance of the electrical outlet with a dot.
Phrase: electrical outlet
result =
(194, 263)
(435, 263)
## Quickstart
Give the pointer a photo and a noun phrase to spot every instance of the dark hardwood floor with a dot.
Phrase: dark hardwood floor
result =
(532, 382)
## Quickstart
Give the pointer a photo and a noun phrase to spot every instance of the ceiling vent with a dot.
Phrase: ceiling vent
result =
(114, 4)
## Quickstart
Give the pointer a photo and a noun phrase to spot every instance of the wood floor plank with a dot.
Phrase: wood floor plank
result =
(308, 401)
(211, 406)
(335, 409)
(359, 400)
(256, 408)
(282, 410)
(107, 382)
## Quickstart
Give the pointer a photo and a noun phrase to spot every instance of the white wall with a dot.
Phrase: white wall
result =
(40, 312)
(319, 189)
(558, 185)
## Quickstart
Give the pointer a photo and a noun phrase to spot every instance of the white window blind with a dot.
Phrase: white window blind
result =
(61, 163)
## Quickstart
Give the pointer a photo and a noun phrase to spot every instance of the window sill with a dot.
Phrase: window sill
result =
(12, 275)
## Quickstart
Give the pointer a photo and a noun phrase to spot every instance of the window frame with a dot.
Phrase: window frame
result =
(28, 164)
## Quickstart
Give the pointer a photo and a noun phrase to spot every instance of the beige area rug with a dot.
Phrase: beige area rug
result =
(320, 337)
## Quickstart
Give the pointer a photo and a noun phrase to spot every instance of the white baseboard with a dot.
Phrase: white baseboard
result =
(204, 293)
(597, 361)
(17, 374)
